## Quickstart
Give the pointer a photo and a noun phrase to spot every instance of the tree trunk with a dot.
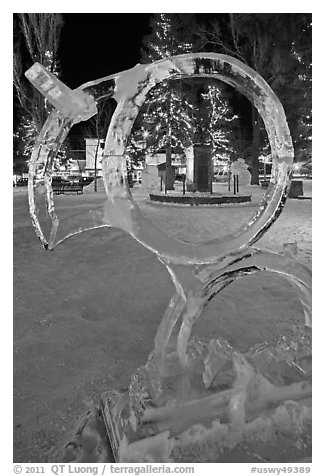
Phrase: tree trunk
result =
(169, 184)
(256, 124)
(169, 179)
(95, 175)
(95, 164)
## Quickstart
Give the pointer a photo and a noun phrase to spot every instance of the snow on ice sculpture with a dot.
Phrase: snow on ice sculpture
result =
(192, 401)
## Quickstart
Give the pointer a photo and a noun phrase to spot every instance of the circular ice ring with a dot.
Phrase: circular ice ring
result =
(248, 82)
(130, 90)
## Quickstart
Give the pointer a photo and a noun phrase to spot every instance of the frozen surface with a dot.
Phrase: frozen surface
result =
(62, 305)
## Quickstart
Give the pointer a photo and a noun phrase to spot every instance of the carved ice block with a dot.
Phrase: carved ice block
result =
(70, 103)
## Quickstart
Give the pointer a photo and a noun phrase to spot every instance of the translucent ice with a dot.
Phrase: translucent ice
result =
(70, 103)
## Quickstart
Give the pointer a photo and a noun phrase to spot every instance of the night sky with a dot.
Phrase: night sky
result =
(94, 45)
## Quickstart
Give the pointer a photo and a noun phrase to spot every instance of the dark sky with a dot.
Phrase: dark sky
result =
(94, 45)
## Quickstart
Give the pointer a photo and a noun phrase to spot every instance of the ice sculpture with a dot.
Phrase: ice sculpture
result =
(192, 401)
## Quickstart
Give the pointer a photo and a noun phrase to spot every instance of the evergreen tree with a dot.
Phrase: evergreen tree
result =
(170, 36)
(168, 121)
(208, 118)
(165, 119)
(179, 113)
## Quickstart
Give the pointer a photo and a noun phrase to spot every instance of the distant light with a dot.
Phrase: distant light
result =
(145, 134)
(296, 167)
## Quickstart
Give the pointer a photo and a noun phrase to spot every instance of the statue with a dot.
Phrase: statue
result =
(192, 400)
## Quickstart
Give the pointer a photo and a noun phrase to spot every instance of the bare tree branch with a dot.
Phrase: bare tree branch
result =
(35, 39)
(235, 36)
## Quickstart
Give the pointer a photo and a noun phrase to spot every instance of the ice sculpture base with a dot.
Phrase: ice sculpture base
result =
(225, 407)
(123, 437)
(267, 440)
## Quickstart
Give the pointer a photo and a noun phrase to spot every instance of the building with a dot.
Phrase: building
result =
(94, 156)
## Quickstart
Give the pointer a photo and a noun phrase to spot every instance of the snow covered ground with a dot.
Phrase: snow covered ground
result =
(85, 315)
(198, 224)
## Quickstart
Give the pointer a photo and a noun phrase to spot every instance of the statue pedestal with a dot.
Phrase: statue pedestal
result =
(199, 168)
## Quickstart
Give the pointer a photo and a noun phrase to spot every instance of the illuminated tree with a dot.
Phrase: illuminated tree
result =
(36, 39)
(167, 123)
(278, 47)
(216, 121)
